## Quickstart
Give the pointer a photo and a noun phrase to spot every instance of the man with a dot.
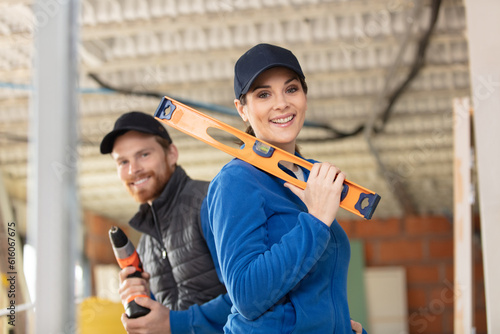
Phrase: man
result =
(178, 267)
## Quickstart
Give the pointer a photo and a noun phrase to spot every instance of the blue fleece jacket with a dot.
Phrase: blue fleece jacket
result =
(208, 318)
(285, 271)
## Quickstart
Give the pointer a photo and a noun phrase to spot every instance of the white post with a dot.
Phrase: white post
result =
(483, 26)
(462, 218)
(52, 202)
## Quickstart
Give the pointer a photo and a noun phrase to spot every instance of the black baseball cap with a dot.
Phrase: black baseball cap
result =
(258, 59)
(137, 121)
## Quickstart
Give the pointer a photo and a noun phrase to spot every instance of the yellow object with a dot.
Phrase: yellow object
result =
(100, 316)
(3, 279)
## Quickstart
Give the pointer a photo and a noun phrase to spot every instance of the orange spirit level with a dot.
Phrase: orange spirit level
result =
(260, 154)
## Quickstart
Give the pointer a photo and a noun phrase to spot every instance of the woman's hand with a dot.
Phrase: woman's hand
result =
(356, 327)
(322, 193)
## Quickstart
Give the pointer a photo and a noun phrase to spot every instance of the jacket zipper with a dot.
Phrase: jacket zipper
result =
(158, 230)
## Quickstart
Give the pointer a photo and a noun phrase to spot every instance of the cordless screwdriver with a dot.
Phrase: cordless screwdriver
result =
(127, 256)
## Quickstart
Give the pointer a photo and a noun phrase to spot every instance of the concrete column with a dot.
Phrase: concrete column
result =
(52, 203)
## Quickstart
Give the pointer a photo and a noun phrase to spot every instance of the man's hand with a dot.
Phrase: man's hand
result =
(155, 322)
(132, 286)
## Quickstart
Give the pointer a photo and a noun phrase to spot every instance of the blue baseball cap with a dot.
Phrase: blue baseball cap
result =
(258, 59)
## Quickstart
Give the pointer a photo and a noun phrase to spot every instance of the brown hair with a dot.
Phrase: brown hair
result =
(164, 143)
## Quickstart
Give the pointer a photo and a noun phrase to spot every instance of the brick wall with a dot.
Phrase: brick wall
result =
(424, 247)
(98, 248)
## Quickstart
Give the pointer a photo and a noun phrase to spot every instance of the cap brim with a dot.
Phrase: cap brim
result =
(109, 140)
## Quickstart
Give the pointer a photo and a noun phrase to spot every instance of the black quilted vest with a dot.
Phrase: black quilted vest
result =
(172, 247)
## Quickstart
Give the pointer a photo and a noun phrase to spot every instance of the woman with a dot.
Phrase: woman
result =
(282, 254)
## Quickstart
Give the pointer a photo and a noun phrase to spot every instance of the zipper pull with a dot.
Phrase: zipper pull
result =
(164, 253)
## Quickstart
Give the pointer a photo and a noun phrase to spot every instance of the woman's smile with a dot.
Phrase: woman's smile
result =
(283, 120)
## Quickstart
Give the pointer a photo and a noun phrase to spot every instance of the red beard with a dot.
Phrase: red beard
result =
(149, 191)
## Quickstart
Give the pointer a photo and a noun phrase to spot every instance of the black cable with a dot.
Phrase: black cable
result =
(417, 66)
(415, 69)
(213, 107)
